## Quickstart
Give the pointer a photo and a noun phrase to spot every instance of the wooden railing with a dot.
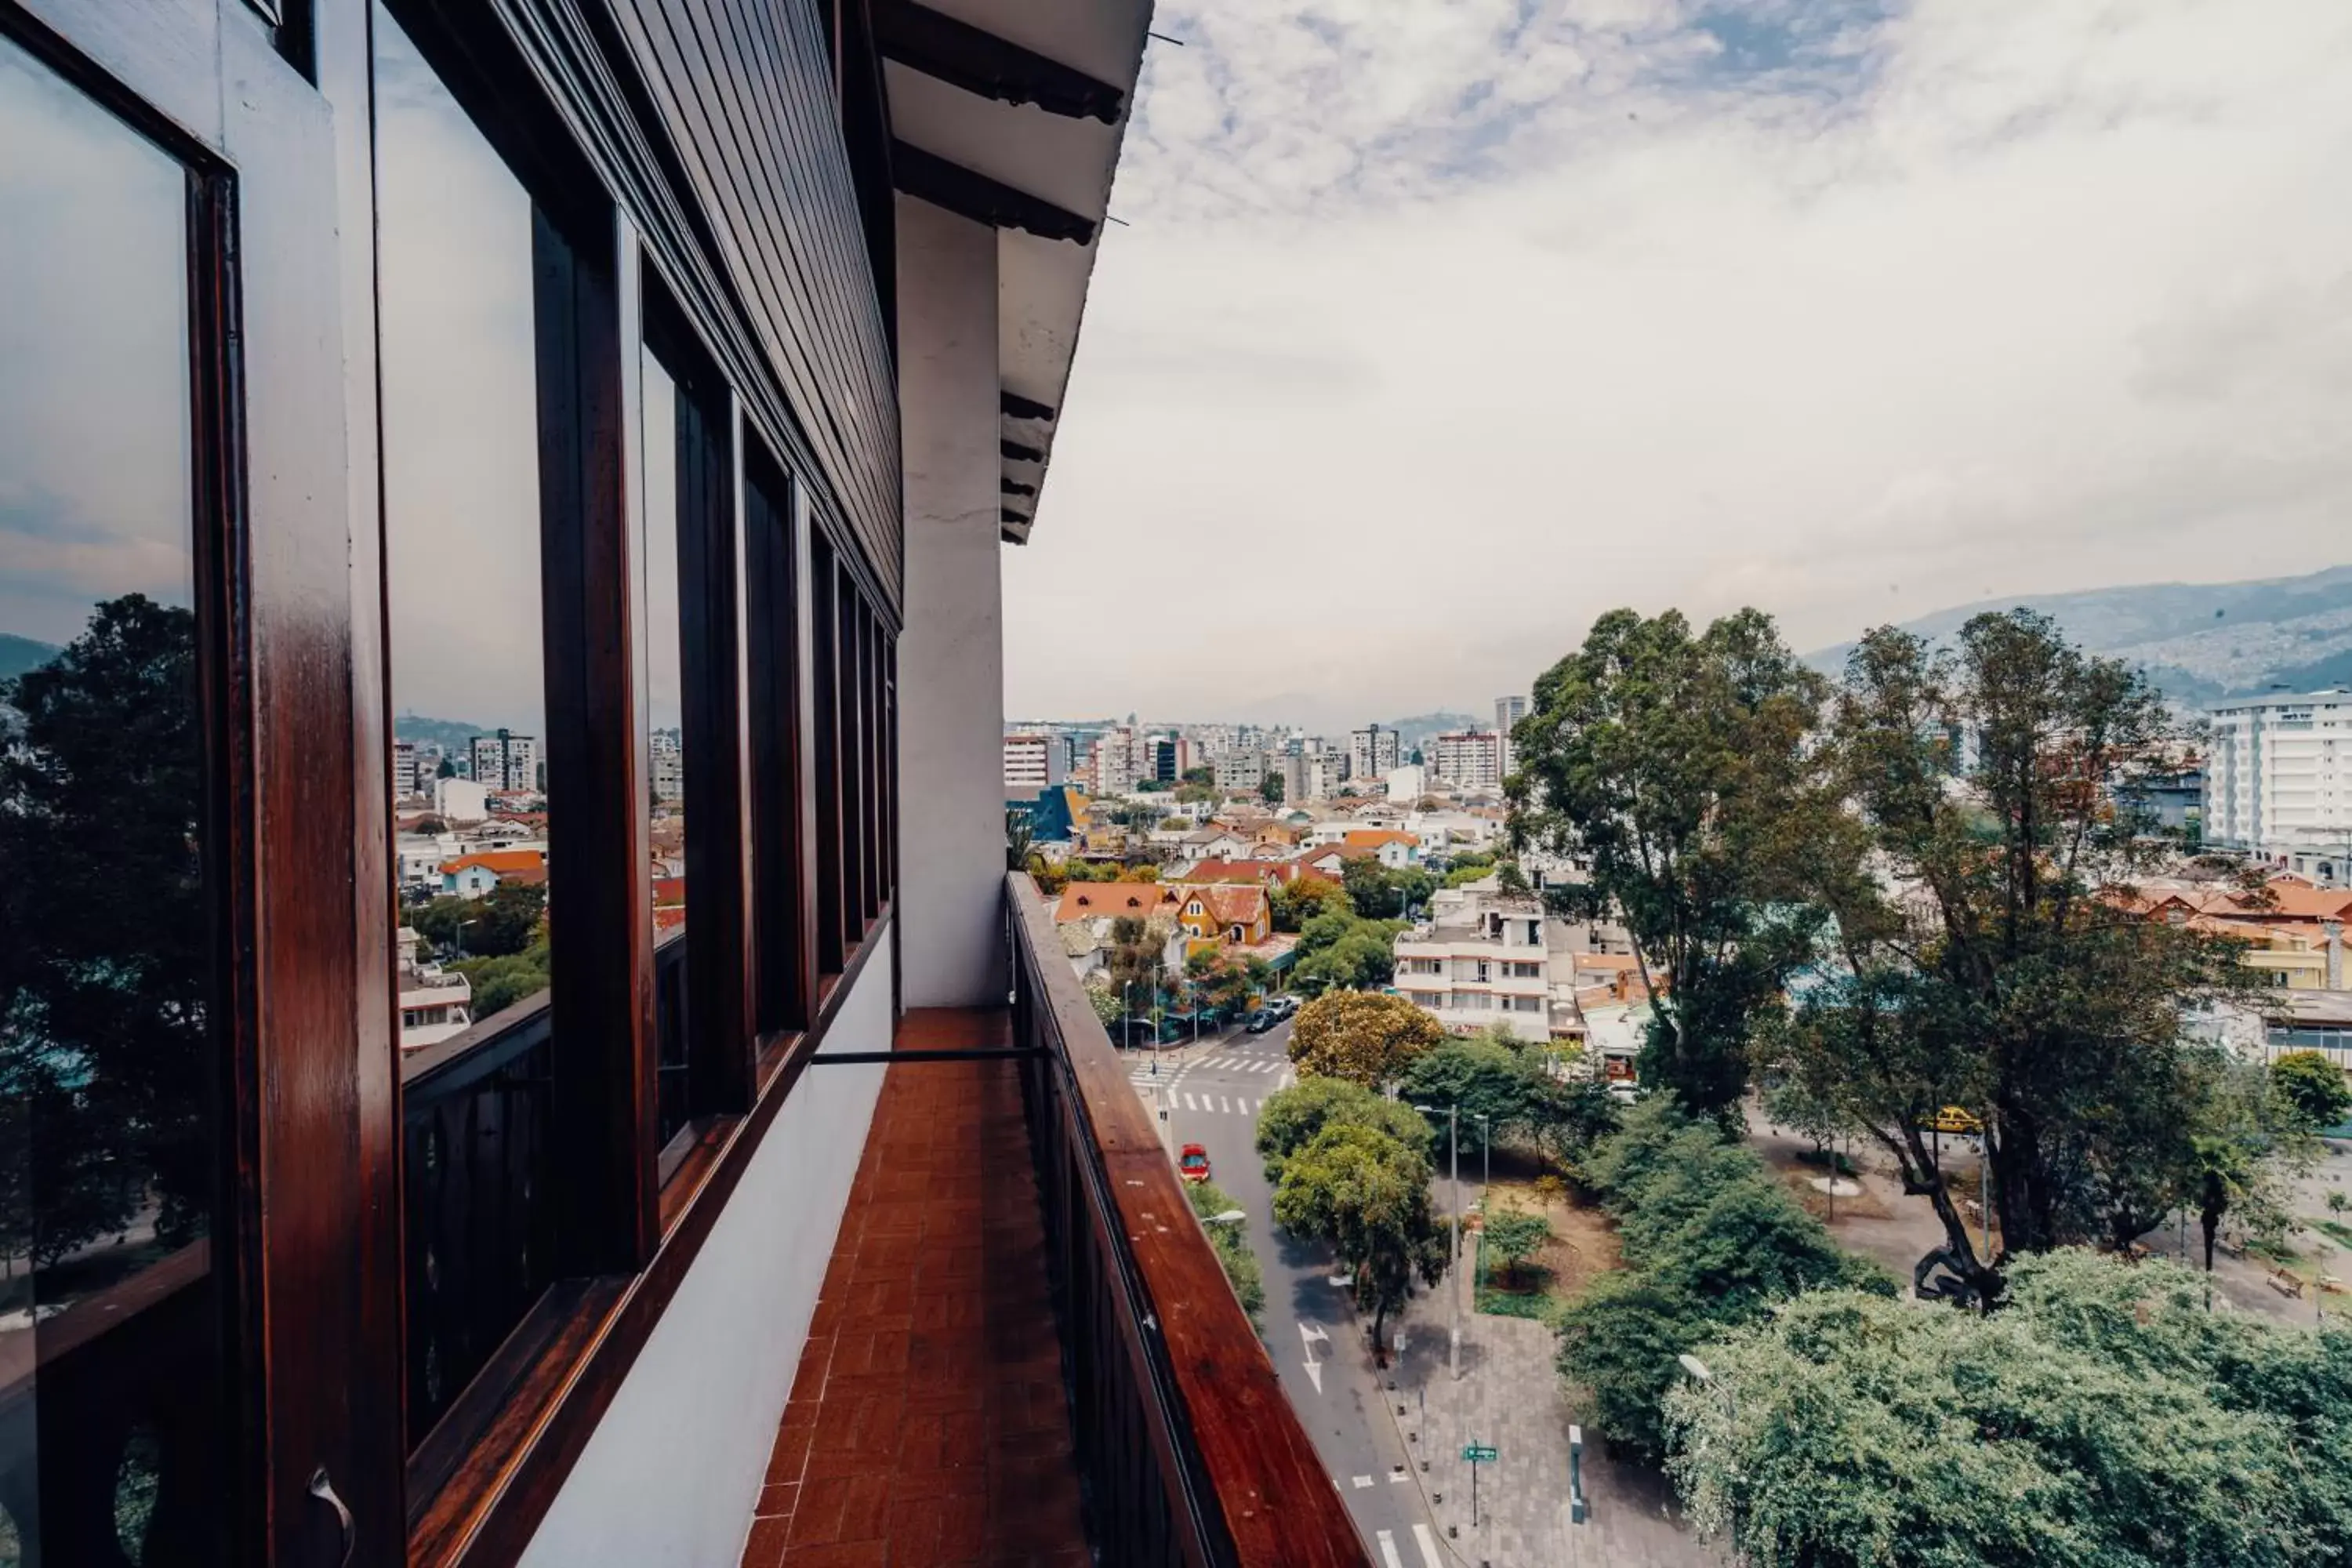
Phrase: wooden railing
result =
(474, 1113)
(1189, 1450)
(112, 1451)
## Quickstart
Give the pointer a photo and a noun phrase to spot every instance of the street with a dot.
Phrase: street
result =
(1212, 1097)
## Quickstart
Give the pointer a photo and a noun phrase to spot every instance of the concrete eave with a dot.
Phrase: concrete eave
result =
(1003, 104)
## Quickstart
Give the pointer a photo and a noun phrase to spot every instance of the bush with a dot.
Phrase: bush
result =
(2104, 1416)
(1712, 1243)
(1230, 1242)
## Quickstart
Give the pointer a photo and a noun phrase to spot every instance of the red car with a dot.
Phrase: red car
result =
(1192, 1164)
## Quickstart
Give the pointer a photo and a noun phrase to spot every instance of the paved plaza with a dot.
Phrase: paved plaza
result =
(1509, 1398)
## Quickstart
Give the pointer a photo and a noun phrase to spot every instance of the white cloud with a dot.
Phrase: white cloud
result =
(1442, 328)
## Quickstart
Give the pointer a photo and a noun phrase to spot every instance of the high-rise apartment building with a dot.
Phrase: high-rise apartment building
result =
(1371, 752)
(505, 761)
(1467, 759)
(1241, 770)
(403, 768)
(2278, 777)
(1509, 711)
(1032, 763)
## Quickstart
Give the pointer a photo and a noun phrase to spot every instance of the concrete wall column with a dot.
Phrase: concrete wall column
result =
(951, 656)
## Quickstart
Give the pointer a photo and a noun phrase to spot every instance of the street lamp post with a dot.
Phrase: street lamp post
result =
(1453, 1281)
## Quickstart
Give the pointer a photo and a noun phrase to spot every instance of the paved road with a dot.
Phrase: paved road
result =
(1212, 1094)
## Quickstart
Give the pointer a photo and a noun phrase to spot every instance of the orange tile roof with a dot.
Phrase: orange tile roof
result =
(1373, 837)
(500, 862)
(1095, 901)
(1230, 905)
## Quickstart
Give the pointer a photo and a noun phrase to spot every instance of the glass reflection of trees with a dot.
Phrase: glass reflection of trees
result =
(103, 995)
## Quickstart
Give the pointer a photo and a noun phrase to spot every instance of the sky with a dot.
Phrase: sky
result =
(1439, 328)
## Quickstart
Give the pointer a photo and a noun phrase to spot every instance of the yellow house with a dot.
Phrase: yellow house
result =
(1237, 916)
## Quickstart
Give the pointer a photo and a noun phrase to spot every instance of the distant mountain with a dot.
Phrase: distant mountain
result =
(2196, 641)
(18, 655)
(1417, 730)
(450, 734)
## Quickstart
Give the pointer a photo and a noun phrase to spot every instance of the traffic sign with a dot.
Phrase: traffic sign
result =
(1479, 1453)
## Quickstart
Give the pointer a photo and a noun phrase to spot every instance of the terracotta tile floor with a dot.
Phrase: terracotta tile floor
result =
(928, 1423)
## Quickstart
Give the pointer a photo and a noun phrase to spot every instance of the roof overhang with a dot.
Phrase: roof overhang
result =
(1009, 112)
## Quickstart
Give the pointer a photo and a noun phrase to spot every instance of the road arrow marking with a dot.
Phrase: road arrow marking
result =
(1365, 1481)
(1310, 1331)
(1389, 1557)
(1315, 1373)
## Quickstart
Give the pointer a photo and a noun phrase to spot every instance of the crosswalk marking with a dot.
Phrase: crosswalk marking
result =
(1389, 1558)
(1428, 1546)
(1222, 1105)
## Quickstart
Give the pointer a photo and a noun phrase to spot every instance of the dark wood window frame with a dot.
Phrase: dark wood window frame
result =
(484, 1478)
(282, 176)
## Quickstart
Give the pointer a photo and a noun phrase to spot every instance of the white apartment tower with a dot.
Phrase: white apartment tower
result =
(1371, 752)
(1509, 711)
(505, 761)
(1468, 759)
(1032, 763)
(2276, 777)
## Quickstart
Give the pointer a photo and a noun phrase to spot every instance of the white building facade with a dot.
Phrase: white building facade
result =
(1480, 959)
(2276, 780)
(1468, 759)
(1371, 752)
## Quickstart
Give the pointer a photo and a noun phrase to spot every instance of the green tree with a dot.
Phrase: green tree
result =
(1504, 1084)
(1362, 1036)
(506, 920)
(500, 982)
(2016, 981)
(1675, 765)
(1269, 789)
(2315, 1086)
(1019, 836)
(1368, 1196)
(1230, 1241)
(1515, 1236)
(1357, 961)
(2104, 1418)
(1108, 1009)
(1202, 777)
(1305, 898)
(1292, 1118)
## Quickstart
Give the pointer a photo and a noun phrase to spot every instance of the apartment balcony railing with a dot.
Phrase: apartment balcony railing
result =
(1190, 1452)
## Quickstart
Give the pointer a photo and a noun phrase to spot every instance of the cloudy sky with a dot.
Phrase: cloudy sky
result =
(1442, 327)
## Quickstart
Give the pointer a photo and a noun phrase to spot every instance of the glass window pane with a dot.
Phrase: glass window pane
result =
(468, 691)
(664, 704)
(110, 1378)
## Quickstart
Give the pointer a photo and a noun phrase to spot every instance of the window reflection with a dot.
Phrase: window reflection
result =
(469, 787)
(663, 706)
(109, 1381)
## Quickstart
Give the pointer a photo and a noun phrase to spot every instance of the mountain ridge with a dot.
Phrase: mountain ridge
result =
(2199, 642)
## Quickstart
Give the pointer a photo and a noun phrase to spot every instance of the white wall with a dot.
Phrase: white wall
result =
(951, 656)
(670, 1476)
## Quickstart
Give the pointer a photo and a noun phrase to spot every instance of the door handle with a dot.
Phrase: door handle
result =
(323, 1489)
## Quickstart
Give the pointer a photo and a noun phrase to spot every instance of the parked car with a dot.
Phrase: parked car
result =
(1192, 1164)
(1283, 1006)
(1261, 1021)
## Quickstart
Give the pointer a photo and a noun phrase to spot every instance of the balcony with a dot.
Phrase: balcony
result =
(1025, 1350)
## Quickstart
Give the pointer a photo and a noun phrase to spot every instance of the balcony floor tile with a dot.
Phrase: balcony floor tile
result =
(928, 1423)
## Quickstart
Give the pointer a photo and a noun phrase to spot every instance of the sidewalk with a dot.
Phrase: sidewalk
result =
(1510, 1398)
